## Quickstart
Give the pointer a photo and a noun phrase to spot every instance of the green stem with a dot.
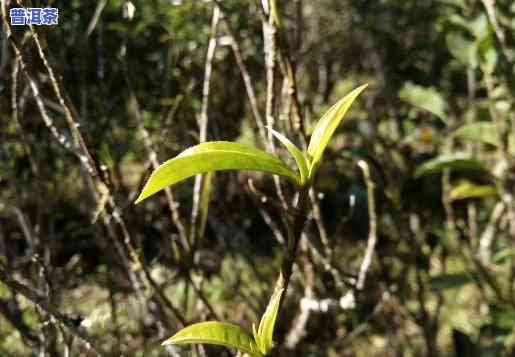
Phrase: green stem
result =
(295, 225)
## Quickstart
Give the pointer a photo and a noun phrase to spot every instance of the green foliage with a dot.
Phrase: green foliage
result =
(216, 333)
(466, 190)
(265, 333)
(213, 156)
(443, 79)
(217, 156)
(484, 132)
(425, 98)
(300, 159)
(224, 155)
(455, 162)
(326, 126)
(450, 281)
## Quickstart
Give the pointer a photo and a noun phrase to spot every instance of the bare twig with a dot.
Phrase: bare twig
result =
(486, 240)
(298, 330)
(372, 234)
(247, 80)
(93, 177)
(173, 205)
(203, 120)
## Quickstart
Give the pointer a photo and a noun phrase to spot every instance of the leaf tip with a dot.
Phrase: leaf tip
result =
(168, 341)
(139, 199)
(142, 196)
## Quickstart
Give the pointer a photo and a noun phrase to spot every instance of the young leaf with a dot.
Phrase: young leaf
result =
(301, 161)
(450, 281)
(214, 156)
(265, 331)
(326, 127)
(216, 333)
(466, 190)
(256, 335)
(484, 132)
(458, 162)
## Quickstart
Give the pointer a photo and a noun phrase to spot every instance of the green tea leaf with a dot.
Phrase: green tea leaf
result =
(301, 161)
(216, 333)
(214, 156)
(467, 190)
(425, 98)
(326, 127)
(450, 281)
(503, 255)
(488, 54)
(503, 318)
(266, 328)
(458, 162)
(463, 49)
(256, 335)
(484, 132)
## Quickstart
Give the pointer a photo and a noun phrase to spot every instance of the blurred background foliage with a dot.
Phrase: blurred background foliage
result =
(435, 125)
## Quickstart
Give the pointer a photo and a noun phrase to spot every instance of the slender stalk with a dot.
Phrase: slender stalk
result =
(204, 118)
(295, 225)
(372, 235)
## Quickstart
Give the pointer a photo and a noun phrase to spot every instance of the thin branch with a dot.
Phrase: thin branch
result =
(247, 80)
(94, 179)
(203, 120)
(298, 330)
(372, 234)
(173, 205)
(96, 16)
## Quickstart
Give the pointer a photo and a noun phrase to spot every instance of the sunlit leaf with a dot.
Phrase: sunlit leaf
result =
(216, 333)
(463, 49)
(301, 161)
(457, 162)
(488, 55)
(256, 335)
(466, 190)
(450, 281)
(425, 98)
(503, 255)
(326, 127)
(267, 325)
(484, 132)
(214, 156)
(480, 26)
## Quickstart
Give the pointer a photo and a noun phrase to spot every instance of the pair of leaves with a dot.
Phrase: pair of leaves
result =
(259, 344)
(224, 155)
